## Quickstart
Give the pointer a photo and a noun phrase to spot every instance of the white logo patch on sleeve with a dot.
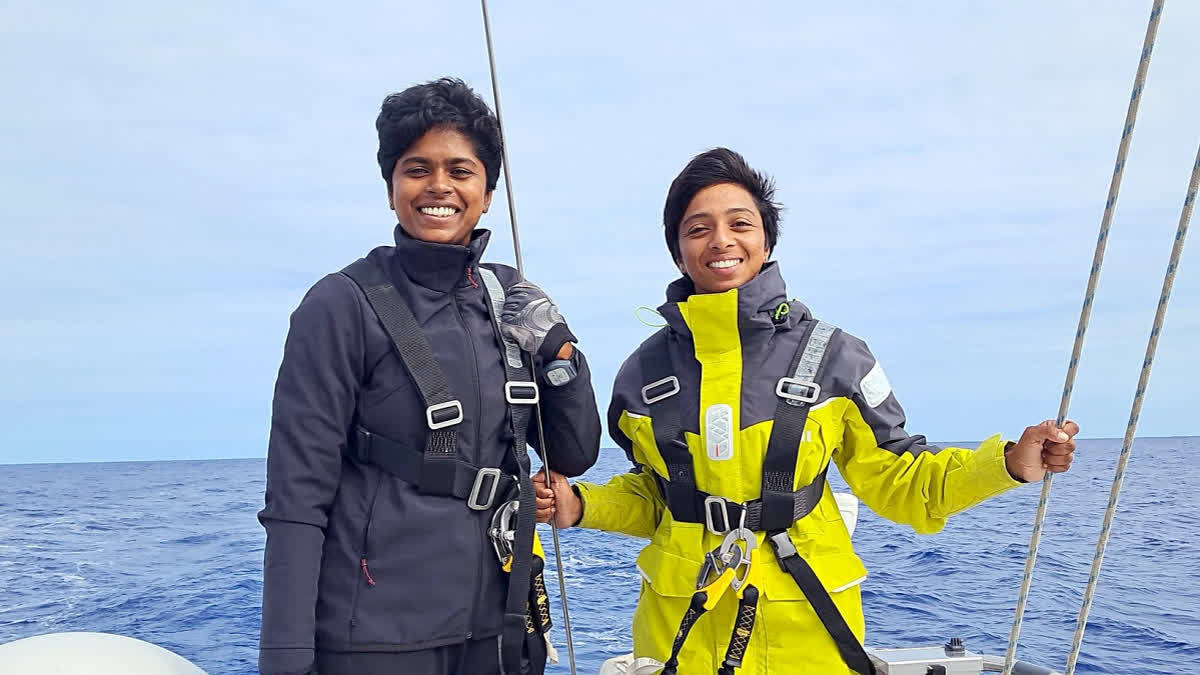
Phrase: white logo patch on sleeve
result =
(718, 432)
(875, 386)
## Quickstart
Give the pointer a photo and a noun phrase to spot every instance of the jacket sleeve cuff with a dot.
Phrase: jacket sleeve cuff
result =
(291, 568)
(627, 505)
(582, 509)
(556, 337)
(988, 471)
(291, 661)
(593, 516)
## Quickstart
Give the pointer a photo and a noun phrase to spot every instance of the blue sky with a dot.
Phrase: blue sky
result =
(174, 177)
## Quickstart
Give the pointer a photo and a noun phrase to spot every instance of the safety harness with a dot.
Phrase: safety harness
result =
(440, 470)
(774, 512)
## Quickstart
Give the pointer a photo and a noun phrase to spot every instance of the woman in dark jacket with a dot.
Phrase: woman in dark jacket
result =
(380, 494)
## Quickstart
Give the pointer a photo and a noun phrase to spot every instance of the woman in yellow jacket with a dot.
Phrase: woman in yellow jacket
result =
(731, 415)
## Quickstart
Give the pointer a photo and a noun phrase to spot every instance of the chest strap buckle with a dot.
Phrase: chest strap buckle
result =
(795, 389)
(662, 389)
(442, 415)
(720, 513)
(484, 486)
(521, 393)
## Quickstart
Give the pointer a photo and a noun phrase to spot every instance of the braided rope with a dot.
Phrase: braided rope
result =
(1084, 316)
(1143, 380)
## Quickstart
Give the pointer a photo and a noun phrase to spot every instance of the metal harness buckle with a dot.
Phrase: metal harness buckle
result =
(477, 489)
(515, 393)
(649, 399)
(783, 389)
(723, 503)
(439, 421)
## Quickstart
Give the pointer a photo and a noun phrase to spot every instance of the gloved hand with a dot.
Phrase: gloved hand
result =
(532, 321)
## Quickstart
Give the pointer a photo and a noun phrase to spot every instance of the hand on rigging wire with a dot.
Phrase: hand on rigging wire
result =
(1042, 447)
(559, 504)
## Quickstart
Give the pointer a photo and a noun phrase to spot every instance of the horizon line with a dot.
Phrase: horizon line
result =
(603, 447)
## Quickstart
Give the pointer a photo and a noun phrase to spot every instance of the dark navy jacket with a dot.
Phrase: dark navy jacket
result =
(430, 577)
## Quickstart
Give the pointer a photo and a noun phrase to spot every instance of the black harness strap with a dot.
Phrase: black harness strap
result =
(743, 626)
(694, 611)
(787, 431)
(480, 488)
(847, 643)
(521, 393)
(721, 515)
(797, 393)
(665, 417)
(442, 411)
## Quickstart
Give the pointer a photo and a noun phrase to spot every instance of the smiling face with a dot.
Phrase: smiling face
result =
(721, 238)
(439, 188)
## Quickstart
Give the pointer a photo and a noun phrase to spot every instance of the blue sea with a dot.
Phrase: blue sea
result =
(171, 552)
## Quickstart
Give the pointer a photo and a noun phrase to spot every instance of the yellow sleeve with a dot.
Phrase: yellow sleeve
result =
(915, 484)
(628, 504)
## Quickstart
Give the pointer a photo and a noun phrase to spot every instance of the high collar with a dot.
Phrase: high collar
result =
(758, 303)
(439, 267)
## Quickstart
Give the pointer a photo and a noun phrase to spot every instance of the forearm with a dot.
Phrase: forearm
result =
(628, 504)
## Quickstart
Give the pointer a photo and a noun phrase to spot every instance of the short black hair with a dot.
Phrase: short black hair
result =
(406, 116)
(713, 167)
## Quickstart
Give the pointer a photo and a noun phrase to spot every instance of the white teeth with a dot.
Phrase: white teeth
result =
(724, 264)
(439, 211)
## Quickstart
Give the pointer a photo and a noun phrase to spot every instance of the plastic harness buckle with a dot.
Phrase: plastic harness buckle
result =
(481, 477)
(521, 393)
(786, 387)
(441, 415)
(782, 543)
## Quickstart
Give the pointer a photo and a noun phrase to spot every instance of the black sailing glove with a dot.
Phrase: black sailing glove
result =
(532, 321)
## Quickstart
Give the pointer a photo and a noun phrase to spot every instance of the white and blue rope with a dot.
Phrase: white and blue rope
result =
(1143, 380)
(1084, 316)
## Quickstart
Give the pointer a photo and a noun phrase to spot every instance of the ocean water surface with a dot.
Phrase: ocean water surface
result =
(171, 552)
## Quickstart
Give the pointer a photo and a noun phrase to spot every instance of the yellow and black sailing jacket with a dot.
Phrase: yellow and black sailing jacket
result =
(729, 351)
